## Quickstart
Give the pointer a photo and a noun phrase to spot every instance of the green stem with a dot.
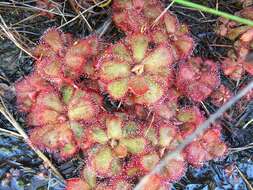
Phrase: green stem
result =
(214, 12)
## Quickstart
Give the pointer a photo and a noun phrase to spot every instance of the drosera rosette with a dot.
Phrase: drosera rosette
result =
(28, 89)
(109, 142)
(188, 119)
(57, 139)
(220, 95)
(56, 114)
(244, 102)
(168, 108)
(61, 58)
(134, 16)
(239, 60)
(231, 29)
(162, 137)
(207, 147)
(197, 78)
(131, 69)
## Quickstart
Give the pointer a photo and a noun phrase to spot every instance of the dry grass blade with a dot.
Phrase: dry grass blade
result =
(244, 178)
(11, 133)
(5, 112)
(81, 13)
(10, 35)
(22, 5)
(200, 130)
(239, 149)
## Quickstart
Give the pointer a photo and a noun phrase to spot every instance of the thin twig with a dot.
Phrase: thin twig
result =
(200, 130)
(244, 179)
(11, 133)
(81, 13)
(9, 35)
(5, 112)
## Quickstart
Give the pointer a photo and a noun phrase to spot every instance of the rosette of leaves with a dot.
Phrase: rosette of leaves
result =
(239, 59)
(208, 147)
(188, 119)
(28, 89)
(134, 16)
(221, 95)
(197, 78)
(162, 137)
(61, 58)
(61, 118)
(132, 69)
(109, 142)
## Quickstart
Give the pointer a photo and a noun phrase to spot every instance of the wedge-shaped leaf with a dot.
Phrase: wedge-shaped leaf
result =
(80, 48)
(55, 138)
(103, 162)
(54, 40)
(120, 50)
(77, 128)
(42, 116)
(187, 115)
(90, 176)
(138, 85)
(118, 88)
(174, 169)
(68, 150)
(67, 92)
(139, 44)
(171, 23)
(152, 11)
(82, 110)
(73, 62)
(114, 127)
(120, 151)
(158, 61)
(50, 100)
(159, 36)
(134, 145)
(149, 161)
(28, 89)
(130, 129)
(99, 135)
(166, 135)
(113, 70)
(151, 135)
(153, 95)
(116, 166)
(50, 69)
(184, 46)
